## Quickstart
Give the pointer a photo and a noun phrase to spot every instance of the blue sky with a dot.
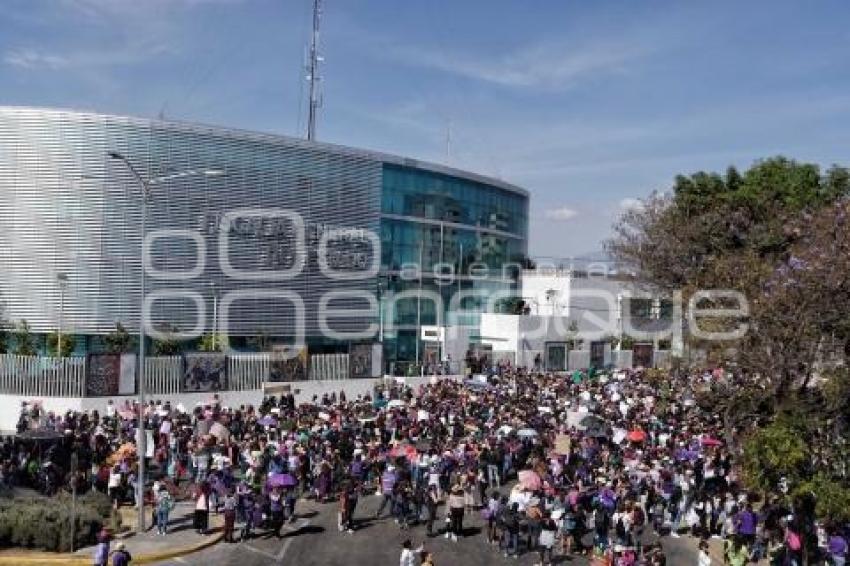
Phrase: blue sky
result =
(589, 105)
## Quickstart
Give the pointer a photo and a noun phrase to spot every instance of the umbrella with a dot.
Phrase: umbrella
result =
(267, 421)
(505, 429)
(220, 431)
(636, 435)
(396, 403)
(40, 434)
(591, 421)
(127, 414)
(529, 480)
(406, 451)
(710, 441)
(526, 432)
(281, 480)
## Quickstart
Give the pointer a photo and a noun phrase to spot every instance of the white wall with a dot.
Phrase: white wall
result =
(10, 405)
(547, 292)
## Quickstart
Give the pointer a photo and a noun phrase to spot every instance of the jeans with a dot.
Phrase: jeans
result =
(510, 542)
(162, 520)
(493, 479)
(545, 555)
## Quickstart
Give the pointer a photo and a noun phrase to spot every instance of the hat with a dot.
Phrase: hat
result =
(119, 546)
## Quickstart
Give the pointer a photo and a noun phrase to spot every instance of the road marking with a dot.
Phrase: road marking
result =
(301, 524)
(258, 551)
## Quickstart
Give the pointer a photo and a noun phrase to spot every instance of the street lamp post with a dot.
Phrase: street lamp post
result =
(145, 186)
(62, 279)
(215, 315)
(140, 443)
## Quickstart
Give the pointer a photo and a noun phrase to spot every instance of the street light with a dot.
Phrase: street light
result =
(145, 186)
(62, 279)
(215, 314)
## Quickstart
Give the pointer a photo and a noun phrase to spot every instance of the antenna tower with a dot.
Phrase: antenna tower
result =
(313, 72)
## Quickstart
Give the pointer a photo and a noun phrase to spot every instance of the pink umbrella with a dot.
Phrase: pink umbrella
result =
(404, 450)
(710, 441)
(529, 480)
(127, 413)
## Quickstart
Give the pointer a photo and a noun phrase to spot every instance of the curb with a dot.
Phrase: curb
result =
(68, 559)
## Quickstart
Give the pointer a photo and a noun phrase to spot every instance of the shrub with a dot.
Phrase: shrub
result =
(832, 499)
(45, 524)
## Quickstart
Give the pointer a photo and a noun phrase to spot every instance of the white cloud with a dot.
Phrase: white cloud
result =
(32, 59)
(553, 65)
(126, 54)
(561, 213)
(631, 203)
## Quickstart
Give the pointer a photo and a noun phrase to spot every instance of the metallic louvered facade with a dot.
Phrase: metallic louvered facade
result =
(68, 208)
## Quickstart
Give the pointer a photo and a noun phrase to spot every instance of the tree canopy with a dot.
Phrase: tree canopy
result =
(778, 233)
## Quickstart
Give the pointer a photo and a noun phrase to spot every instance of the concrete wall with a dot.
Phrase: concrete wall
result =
(10, 405)
(547, 292)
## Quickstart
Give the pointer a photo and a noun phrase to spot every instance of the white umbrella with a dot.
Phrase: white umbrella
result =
(505, 429)
(527, 432)
(396, 403)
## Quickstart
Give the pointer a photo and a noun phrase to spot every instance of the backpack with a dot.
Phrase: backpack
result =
(621, 528)
(793, 540)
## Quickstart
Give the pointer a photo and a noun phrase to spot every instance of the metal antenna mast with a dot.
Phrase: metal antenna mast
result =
(313, 72)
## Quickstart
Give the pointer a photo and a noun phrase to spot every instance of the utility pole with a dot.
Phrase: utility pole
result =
(313, 72)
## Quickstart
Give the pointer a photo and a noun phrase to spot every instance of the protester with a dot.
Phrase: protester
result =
(163, 506)
(617, 455)
(121, 556)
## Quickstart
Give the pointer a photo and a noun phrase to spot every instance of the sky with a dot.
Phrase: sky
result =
(590, 106)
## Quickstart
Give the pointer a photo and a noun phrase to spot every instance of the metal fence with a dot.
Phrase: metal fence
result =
(328, 366)
(42, 377)
(248, 371)
(163, 375)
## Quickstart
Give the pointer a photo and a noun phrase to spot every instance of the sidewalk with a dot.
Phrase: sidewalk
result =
(145, 548)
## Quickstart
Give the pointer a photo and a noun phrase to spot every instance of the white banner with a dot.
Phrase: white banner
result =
(127, 377)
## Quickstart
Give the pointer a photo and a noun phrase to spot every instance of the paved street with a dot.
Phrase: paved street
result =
(314, 539)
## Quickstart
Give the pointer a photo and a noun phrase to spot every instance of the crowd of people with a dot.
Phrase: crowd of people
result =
(596, 464)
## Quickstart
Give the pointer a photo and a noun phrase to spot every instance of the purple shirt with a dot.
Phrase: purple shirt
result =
(747, 521)
(837, 546)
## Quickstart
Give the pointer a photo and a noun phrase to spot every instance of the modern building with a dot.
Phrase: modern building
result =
(573, 319)
(258, 235)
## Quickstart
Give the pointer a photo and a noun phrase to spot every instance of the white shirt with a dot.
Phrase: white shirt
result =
(704, 558)
(408, 557)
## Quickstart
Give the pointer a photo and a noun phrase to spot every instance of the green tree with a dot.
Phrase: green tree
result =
(170, 344)
(69, 344)
(211, 343)
(779, 234)
(832, 498)
(119, 340)
(774, 452)
(24, 340)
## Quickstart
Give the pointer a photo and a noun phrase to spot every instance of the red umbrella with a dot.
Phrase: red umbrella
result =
(636, 435)
(709, 441)
(406, 451)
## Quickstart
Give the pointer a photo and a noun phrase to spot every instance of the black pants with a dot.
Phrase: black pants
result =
(456, 525)
(201, 520)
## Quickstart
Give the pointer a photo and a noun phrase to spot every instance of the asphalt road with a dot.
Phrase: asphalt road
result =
(315, 539)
